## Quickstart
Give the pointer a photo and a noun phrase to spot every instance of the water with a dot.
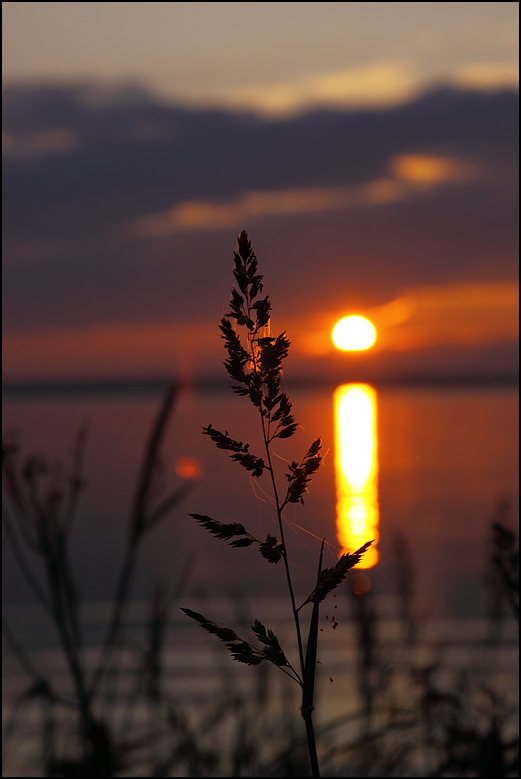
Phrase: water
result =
(442, 459)
(424, 477)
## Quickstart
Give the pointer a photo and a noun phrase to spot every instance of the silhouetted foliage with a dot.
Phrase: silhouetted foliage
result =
(255, 363)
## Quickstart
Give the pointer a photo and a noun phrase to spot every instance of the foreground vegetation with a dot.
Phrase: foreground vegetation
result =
(415, 715)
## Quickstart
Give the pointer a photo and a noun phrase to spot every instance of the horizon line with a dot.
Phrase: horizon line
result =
(152, 385)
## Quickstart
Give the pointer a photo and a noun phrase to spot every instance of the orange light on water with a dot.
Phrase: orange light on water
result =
(356, 469)
(353, 333)
(188, 467)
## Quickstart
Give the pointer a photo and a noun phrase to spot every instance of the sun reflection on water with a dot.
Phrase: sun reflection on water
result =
(356, 469)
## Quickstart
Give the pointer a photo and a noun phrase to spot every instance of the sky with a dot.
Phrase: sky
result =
(273, 57)
(368, 148)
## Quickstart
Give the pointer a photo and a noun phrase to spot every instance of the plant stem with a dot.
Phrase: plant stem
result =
(307, 666)
(139, 524)
(265, 435)
(312, 747)
(118, 610)
(63, 621)
(285, 556)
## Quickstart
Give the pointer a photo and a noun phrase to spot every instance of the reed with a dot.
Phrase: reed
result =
(254, 362)
(40, 502)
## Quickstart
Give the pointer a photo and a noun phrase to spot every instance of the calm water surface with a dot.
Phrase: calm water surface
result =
(418, 470)
(422, 467)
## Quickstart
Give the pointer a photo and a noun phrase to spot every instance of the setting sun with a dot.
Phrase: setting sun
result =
(353, 333)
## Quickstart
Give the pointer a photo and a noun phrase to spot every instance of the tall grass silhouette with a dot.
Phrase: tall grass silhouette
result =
(40, 504)
(254, 362)
(412, 713)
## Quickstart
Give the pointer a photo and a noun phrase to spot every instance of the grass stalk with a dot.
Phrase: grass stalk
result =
(138, 526)
(255, 364)
(40, 504)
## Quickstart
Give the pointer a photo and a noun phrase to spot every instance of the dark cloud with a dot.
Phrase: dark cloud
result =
(79, 165)
(134, 156)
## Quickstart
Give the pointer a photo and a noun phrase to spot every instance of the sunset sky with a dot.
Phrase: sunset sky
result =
(369, 149)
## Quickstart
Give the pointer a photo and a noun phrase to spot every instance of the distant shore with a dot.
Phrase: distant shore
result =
(141, 386)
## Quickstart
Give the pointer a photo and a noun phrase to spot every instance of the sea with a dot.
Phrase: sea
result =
(422, 470)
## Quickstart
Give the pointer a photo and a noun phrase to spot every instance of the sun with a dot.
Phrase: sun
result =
(353, 333)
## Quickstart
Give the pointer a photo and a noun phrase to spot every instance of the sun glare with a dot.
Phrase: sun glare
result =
(353, 333)
(356, 469)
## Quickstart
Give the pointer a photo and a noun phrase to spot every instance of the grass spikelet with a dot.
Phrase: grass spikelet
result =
(254, 362)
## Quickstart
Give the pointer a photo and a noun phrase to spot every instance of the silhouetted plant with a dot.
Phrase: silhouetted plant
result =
(40, 502)
(505, 556)
(408, 721)
(255, 363)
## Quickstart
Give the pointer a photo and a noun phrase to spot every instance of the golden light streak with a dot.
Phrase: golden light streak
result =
(353, 333)
(356, 469)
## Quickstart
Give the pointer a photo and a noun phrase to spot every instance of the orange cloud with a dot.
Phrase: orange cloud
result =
(378, 83)
(207, 215)
(411, 174)
(381, 83)
(488, 75)
(427, 170)
(458, 314)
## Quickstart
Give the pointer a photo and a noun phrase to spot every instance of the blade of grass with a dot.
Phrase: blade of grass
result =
(137, 526)
(310, 667)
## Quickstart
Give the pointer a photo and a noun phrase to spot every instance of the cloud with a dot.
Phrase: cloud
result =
(207, 215)
(49, 140)
(80, 166)
(487, 75)
(344, 208)
(427, 170)
(456, 314)
(377, 84)
(413, 173)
